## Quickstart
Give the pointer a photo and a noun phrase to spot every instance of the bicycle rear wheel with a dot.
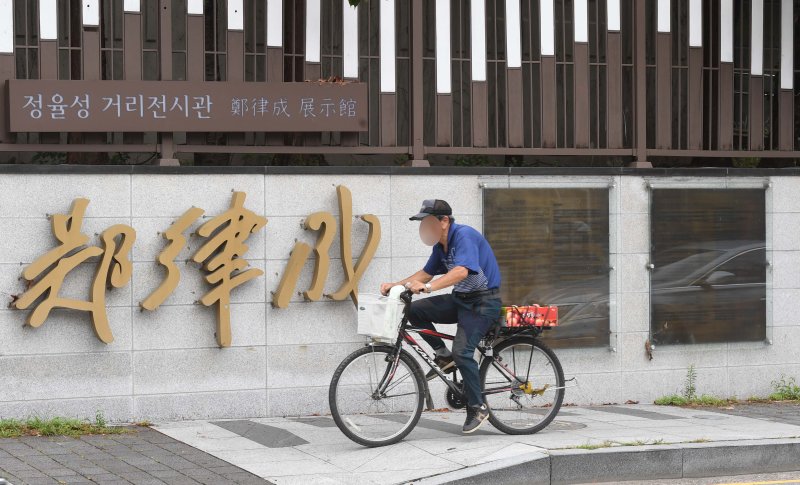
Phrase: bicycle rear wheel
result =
(373, 403)
(523, 385)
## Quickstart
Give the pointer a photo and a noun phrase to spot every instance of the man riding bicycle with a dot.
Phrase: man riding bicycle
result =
(463, 256)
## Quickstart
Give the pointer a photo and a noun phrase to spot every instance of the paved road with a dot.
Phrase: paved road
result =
(300, 450)
(305, 449)
(142, 457)
(788, 412)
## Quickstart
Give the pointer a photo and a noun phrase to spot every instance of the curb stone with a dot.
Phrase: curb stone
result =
(687, 460)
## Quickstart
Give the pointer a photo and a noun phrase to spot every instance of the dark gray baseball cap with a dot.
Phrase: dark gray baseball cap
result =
(432, 207)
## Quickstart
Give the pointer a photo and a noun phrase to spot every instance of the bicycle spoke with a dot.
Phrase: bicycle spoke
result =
(393, 389)
(522, 402)
(506, 370)
(528, 375)
(399, 395)
(496, 390)
(514, 361)
(396, 383)
(369, 372)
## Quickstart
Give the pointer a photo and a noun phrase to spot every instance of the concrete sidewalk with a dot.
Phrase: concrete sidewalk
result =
(142, 456)
(582, 444)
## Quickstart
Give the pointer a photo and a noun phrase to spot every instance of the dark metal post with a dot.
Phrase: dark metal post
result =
(167, 146)
(640, 58)
(418, 149)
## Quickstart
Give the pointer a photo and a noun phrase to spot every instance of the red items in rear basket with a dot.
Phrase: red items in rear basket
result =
(531, 315)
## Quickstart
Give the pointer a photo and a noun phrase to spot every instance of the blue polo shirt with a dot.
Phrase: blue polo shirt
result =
(468, 248)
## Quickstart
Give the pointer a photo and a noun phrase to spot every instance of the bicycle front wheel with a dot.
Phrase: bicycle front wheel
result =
(523, 385)
(373, 402)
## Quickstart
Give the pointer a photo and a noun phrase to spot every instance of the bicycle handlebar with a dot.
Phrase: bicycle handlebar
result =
(406, 296)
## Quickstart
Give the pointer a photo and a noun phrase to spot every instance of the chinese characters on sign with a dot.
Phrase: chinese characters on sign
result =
(46, 274)
(182, 106)
(324, 222)
(309, 108)
(221, 255)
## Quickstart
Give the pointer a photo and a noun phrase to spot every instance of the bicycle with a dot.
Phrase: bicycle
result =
(377, 392)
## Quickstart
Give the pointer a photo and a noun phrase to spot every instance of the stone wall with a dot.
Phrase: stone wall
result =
(166, 365)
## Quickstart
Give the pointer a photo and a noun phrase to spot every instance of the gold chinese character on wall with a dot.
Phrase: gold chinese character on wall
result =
(324, 222)
(46, 274)
(222, 256)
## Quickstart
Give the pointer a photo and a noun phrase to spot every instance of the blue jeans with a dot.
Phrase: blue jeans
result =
(475, 316)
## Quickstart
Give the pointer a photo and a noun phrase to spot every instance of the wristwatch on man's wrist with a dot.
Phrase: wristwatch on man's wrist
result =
(428, 287)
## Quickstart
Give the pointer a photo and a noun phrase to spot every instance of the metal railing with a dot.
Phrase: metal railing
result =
(627, 80)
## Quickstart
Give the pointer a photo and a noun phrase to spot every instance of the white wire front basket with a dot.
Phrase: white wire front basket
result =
(379, 316)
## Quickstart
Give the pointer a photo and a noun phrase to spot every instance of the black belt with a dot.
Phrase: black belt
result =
(473, 294)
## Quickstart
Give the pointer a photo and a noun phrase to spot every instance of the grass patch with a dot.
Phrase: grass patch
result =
(612, 444)
(785, 389)
(595, 446)
(689, 396)
(702, 400)
(659, 441)
(12, 428)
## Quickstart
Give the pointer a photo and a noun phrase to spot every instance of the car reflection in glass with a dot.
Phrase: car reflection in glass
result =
(700, 293)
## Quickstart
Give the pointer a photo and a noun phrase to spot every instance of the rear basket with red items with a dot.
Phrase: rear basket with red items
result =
(530, 316)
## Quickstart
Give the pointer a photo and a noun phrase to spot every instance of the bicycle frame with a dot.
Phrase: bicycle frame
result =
(408, 339)
(403, 336)
(485, 350)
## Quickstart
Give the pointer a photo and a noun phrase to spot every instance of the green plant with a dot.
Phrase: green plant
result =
(49, 158)
(400, 160)
(633, 443)
(671, 400)
(301, 159)
(689, 395)
(473, 161)
(119, 158)
(689, 388)
(99, 419)
(11, 428)
(706, 400)
(785, 389)
(594, 446)
(611, 444)
(702, 400)
(746, 162)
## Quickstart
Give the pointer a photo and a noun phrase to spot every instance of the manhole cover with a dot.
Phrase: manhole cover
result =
(560, 425)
